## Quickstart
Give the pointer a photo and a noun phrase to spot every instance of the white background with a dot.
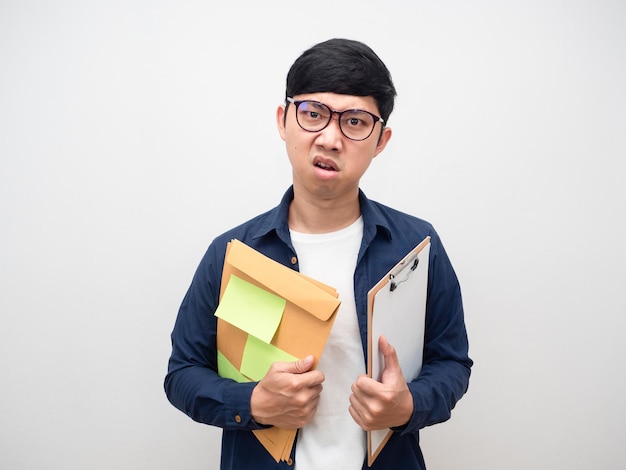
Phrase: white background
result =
(133, 132)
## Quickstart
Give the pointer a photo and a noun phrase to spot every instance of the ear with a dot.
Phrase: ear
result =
(280, 120)
(382, 141)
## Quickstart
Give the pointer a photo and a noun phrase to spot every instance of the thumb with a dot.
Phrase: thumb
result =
(390, 355)
(299, 366)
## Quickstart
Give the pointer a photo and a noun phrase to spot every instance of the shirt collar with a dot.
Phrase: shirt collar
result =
(374, 222)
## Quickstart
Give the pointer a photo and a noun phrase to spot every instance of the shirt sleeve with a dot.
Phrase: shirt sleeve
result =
(192, 383)
(445, 373)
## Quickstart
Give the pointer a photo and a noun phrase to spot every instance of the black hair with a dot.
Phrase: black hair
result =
(346, 67)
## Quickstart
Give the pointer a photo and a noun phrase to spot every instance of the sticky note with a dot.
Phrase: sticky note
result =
(251, 309)
(227, 370)
(258, 356)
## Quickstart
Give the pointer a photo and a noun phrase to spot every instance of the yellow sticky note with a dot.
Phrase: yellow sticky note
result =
(258, 356)
(251, 309)
(227, 370)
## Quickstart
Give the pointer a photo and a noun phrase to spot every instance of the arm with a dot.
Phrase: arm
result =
(287, 396)
(445, 373)
(192, 384)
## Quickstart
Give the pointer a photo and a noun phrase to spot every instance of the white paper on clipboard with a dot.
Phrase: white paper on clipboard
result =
(397, 310)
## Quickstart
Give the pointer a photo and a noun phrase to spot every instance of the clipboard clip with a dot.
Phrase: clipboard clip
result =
(393, 285)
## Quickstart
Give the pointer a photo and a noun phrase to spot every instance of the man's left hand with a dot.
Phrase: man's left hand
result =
(384, 404)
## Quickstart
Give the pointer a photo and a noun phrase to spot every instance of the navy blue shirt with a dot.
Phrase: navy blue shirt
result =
(193, 385)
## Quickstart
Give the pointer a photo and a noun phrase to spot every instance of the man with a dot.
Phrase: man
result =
(339, 96)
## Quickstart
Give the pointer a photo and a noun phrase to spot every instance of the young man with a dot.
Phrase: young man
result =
(338, 99)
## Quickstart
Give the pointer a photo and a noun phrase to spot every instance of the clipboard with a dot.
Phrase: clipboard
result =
(396, 308)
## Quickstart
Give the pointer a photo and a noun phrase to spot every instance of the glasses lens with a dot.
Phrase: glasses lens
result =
(313, 116)
(357, 124)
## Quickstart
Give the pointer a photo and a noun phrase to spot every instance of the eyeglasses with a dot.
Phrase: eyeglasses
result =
(355, 124)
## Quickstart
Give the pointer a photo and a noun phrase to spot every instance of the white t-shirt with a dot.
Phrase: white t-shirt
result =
(332, 439)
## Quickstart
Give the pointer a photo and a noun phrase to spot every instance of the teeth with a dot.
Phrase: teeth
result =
(325, 167)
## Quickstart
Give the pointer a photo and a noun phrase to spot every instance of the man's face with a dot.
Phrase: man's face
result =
(326, 164)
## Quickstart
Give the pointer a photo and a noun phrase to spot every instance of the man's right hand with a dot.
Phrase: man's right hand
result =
(288, 395)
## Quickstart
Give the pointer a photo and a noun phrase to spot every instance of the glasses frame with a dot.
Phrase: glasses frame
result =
(376, 118)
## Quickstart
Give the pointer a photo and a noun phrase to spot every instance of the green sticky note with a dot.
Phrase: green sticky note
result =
(251, 309)
(227, 370)
(258, 356)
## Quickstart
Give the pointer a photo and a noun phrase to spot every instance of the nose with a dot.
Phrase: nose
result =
(331, 136)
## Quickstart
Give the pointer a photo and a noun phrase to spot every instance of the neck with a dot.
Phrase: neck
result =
(309, 215)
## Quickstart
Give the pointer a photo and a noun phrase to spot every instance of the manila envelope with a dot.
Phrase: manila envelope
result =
(310, 309)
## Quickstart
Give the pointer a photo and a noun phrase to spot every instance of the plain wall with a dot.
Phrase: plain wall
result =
(133, 132)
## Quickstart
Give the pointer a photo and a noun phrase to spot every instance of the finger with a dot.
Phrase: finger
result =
(303, 365)
(389, 353)
(364, 387)
(359, 413)
(297, 367)
(316, 379)
(355, 415)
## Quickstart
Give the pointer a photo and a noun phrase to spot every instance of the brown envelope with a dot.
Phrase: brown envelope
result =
(308, 317)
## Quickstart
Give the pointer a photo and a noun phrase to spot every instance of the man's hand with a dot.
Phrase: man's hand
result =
(288, 395)
(380, 405)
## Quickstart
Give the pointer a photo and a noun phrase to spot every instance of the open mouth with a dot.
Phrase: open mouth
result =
(324, 164)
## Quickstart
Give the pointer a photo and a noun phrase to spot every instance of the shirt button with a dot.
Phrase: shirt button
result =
(294, 260)
(290, 462)
(238, 418)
